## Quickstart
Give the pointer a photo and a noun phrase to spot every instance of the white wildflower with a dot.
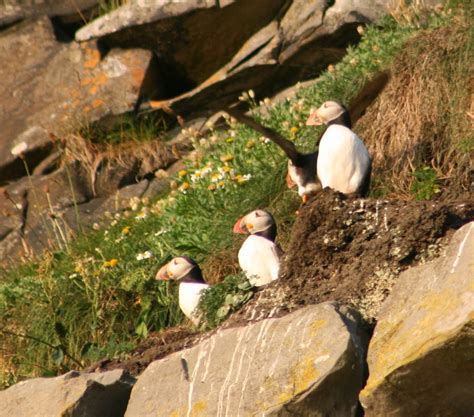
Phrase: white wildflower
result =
(96, 226)
(19, 149)
(145, 255)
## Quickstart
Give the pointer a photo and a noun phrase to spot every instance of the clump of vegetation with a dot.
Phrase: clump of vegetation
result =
(97, 296)
(220, 300)
(419, 130)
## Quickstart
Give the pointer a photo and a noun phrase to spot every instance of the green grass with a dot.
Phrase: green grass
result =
(99, 297)
(219, 301)
(128, 129)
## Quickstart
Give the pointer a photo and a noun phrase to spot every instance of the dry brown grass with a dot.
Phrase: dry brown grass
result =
(424, 116)
(143, 158)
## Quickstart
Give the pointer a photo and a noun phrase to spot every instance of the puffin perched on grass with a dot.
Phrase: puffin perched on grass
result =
(259, 255)
(188, 274)
(343, 162)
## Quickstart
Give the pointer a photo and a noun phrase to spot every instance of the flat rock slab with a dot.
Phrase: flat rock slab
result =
(52, 87)
(13, 11)
(421, 357)
(73, 395)
(307, 363)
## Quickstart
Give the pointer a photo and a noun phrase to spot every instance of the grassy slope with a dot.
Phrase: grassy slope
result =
(97, 297)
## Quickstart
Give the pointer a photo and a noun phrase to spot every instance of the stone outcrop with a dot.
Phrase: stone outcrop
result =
(13, 11)
(192, 39)
(49, 87)
(421, 356)
(268, 45)
(310, 362)
(73, 394)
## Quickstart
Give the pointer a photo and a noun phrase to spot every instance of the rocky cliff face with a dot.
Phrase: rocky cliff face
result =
(116, 65)
(296, 349)
(309, 363)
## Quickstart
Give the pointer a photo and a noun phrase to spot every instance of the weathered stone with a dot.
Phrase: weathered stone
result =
(307, 363)
(192, 39)
(51, 86)
(73, 394)
(421, 357)
(304, 39)
(11, 12)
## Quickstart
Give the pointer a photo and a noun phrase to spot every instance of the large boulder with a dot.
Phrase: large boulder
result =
(267, 45)
(192, 39)
(421, 357)
(73, 394)
(310, 362)
(51, 86)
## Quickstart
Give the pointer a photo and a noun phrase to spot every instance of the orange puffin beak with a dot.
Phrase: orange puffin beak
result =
(162, 274)
(314, 120)
(289, 182)
(239, 227)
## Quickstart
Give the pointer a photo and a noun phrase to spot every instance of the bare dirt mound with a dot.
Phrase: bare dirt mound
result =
(352, 251)
(345, 250)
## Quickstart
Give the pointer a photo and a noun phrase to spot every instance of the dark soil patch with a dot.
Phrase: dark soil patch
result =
(346, 250)
(352, 251)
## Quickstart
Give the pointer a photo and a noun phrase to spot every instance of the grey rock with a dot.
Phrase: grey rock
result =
(13, 11)
(307, 363)
(192, 39)
(50, 87)
(74, 394)
(303, 39)
(421, 357)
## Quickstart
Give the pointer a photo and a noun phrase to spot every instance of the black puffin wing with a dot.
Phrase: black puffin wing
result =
(288, 147)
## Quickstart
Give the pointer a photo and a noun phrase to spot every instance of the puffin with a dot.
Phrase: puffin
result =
(259, 255)
(188, 274)
(343, 162)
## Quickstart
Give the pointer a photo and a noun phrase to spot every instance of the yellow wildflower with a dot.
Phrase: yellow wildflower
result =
(183, 173)
(110, 264)
(294, 130)
(184, 186)
(250, 144)
(227, 158)
(211, 187)
(126, 230)
(220, 184)
(226, 168)
(229, 140)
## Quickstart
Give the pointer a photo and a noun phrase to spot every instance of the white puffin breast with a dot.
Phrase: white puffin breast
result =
(189, 296)
(343, 159)
(258, 258)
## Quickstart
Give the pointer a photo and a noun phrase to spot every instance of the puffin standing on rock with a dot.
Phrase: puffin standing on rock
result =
(187, 273)
(259, 256)
(343, 162)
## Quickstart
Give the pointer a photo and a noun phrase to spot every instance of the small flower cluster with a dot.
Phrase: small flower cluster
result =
(144, 255)
(213, 177)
